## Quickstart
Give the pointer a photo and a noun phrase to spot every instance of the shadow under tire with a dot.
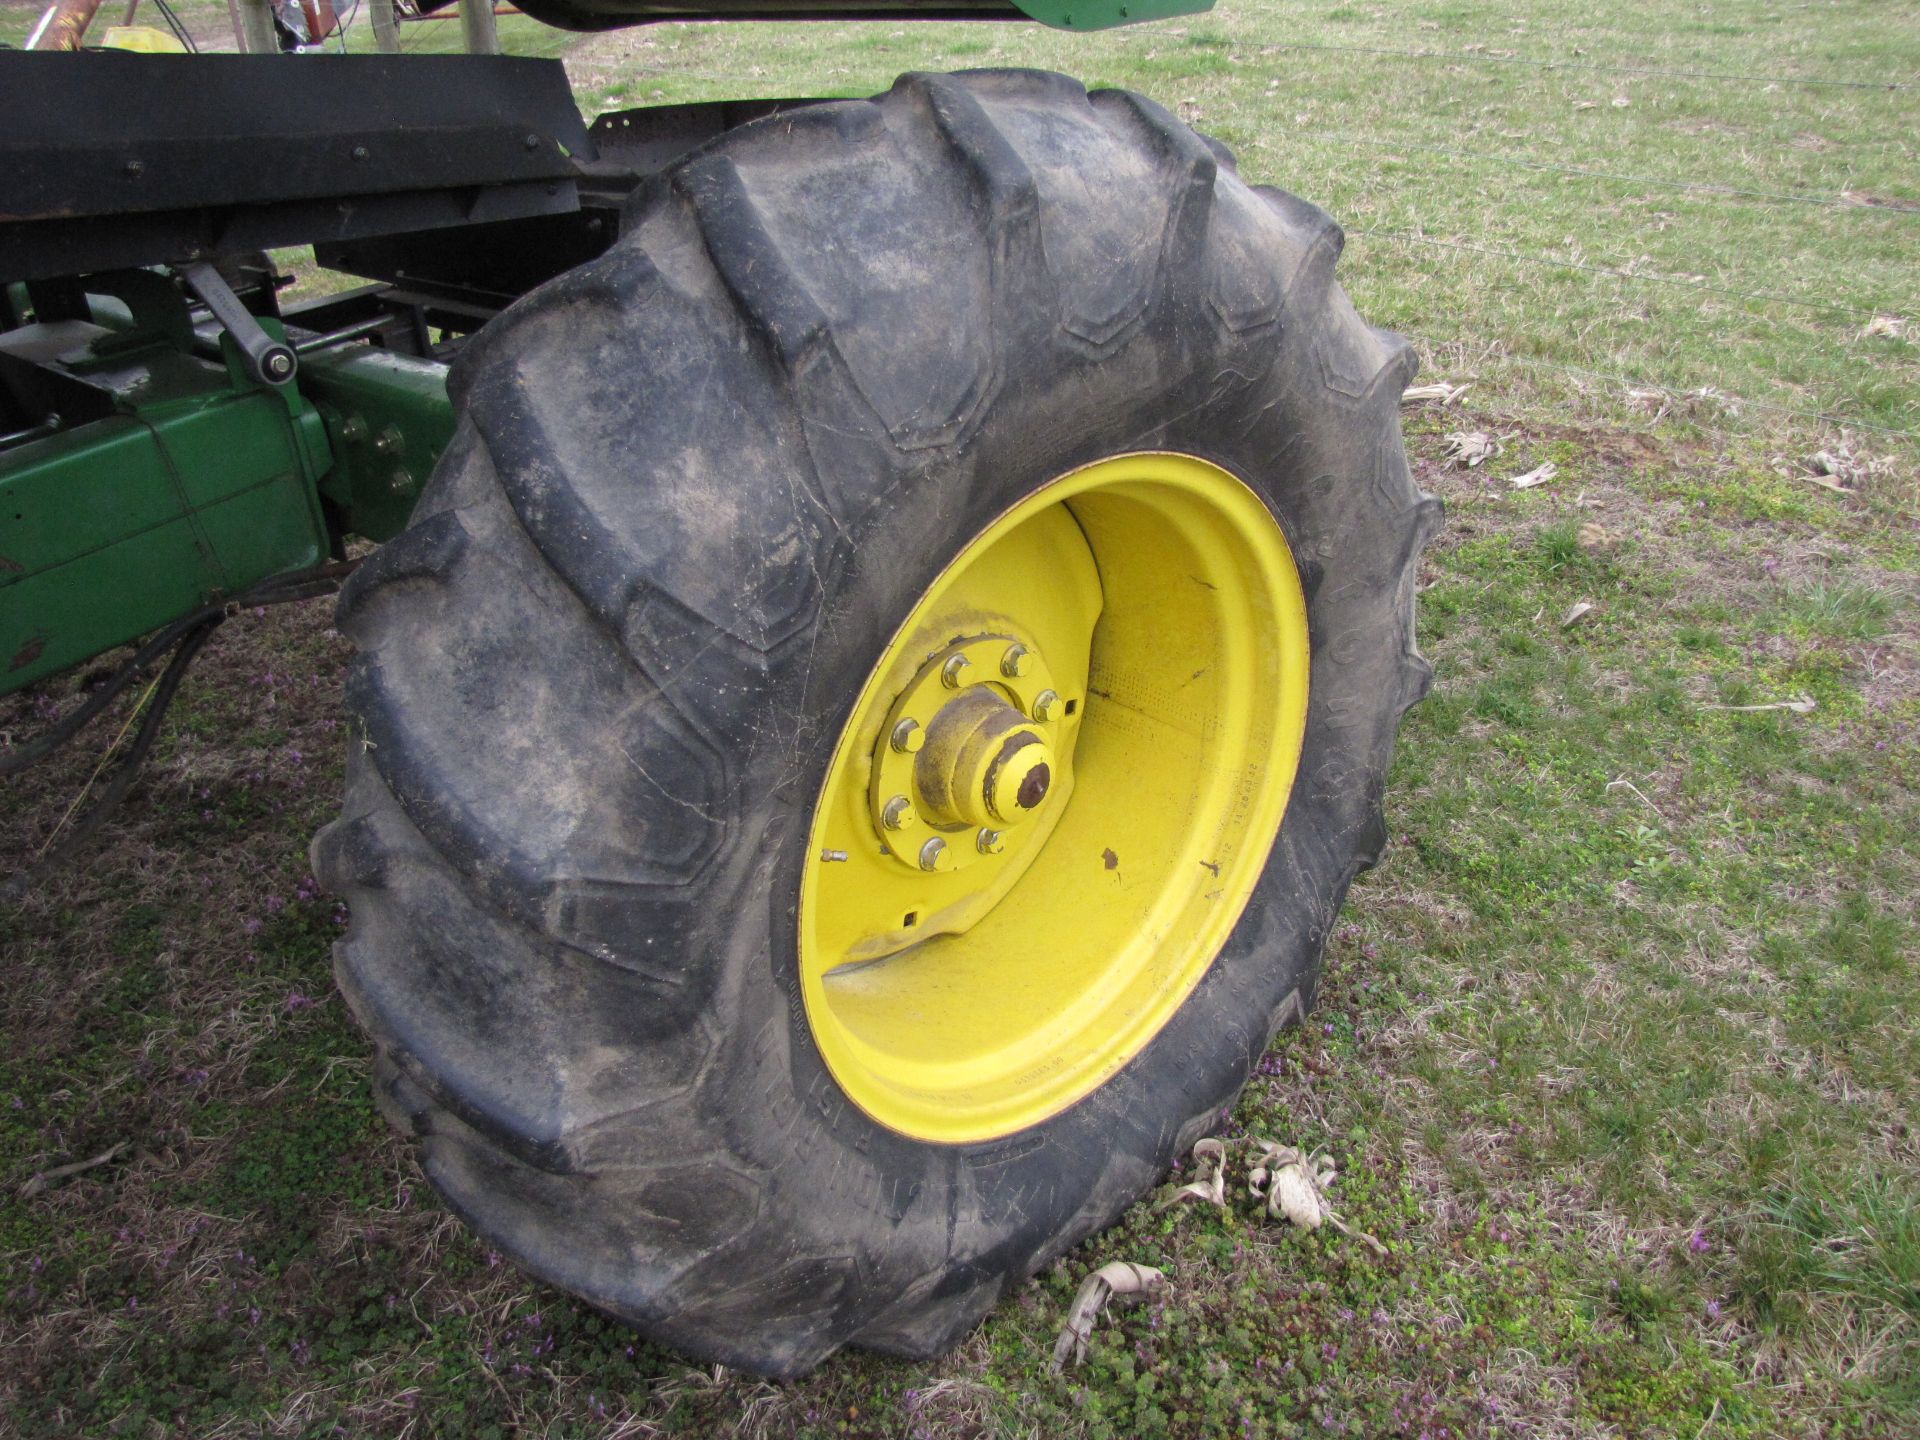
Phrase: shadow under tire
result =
(697, 489)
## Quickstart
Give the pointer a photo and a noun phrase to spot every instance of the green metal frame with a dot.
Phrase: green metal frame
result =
(390, 418)
(1105, 14)
(198, 486)
(201, 483)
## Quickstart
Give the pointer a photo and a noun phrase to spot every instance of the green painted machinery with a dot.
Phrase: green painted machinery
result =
(149, 466)
(162, 476)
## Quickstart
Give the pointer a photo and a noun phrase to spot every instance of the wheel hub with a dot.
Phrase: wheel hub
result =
(1053, 797)
(972, 751)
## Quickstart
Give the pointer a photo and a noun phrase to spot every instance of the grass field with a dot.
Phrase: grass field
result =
(1617, 1051)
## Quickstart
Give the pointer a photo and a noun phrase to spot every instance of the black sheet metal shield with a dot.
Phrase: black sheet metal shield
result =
(194, 155)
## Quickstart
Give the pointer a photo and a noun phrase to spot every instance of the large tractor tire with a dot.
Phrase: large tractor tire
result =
(865, 738)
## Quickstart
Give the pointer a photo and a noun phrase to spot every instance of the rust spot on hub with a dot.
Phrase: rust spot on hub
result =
(1033, 789)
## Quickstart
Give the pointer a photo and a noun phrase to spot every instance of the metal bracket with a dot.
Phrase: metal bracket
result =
(268, 361)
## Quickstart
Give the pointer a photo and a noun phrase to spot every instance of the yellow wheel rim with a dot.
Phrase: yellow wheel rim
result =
(1054, 797)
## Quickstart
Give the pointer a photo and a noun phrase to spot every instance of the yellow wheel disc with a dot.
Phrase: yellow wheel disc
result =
(1054, 797)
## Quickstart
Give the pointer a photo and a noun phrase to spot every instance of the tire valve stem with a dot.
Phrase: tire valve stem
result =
(833, 856)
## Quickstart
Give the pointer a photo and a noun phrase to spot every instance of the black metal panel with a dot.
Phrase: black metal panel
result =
(640, 141)
(489, 266)
(111, 133)
(60, 247)
(110, 159)
(467, 274)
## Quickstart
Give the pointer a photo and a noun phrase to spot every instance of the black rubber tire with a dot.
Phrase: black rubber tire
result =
(695, 485)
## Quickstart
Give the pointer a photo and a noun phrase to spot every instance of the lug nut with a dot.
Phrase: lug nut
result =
(951, 672)
(908, 737)
(990, 842)
(1045, 705)
(1016, 662)
(897, 813)
(933, 853)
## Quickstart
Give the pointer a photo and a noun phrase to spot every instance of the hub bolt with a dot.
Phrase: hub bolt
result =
(897, 813)
(933, 853)
(990, 842)
(1045, 705)
(908, 737)
(951, 672)
(1016, 662)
